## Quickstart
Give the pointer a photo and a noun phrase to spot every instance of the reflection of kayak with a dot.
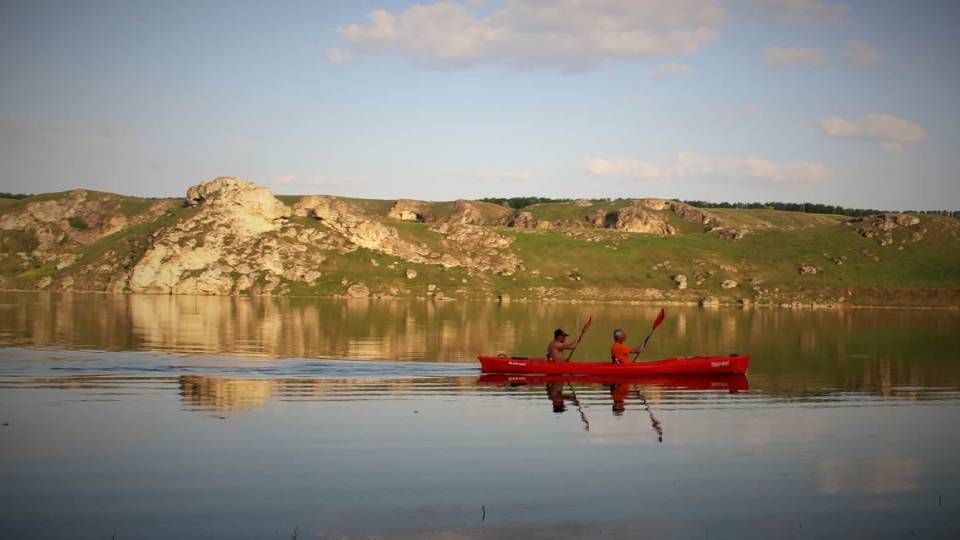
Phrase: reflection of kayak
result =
(688, 365)
(725, 383)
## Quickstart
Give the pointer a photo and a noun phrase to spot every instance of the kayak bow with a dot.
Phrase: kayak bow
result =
(733, 364)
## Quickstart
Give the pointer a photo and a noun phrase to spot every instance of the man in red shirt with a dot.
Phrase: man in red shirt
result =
(619, 351)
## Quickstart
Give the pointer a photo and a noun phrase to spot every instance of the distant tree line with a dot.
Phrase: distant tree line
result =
(521, 202)
(810, 208)
(816, 208)
(5, 195)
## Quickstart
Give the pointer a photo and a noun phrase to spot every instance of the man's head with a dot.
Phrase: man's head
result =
(560, 335)
(619, 335)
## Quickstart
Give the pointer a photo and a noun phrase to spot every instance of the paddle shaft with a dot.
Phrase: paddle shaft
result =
(656, 323)
(582, 332)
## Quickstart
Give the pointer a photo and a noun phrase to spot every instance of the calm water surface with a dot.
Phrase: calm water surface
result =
(159, 417)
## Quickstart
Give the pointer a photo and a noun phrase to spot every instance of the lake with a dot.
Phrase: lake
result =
(208, 417)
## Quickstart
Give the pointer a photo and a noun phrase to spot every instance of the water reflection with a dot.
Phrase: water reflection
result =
(794, 351)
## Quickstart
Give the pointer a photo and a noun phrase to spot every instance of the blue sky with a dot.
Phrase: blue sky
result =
(848, 103)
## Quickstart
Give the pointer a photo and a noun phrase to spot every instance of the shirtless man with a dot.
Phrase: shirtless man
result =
(620, 352)
(558, 345)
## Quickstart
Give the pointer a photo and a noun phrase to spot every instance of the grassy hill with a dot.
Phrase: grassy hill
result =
(777, 257)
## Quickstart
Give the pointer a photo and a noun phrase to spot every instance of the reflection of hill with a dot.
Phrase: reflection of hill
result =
(225, 395)
(794, 352)
(236, 395)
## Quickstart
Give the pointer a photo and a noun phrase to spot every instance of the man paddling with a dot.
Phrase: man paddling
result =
(619, 351)
(558, 345)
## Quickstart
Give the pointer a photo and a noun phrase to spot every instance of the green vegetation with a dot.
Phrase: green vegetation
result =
(785, 256)
(521, 202)
(813, 208)
(77, 223)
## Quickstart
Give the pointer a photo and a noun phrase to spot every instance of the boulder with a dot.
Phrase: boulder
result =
(357, 290)
(411, 273)
(410, 210)
(681, 281)
(245, 204)
(692, 213)
(633, 219)
(729, 233)
(709, 301)
(597, 218)
(808, 269)
(728, 284)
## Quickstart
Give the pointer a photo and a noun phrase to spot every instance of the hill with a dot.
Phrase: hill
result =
(229, 236)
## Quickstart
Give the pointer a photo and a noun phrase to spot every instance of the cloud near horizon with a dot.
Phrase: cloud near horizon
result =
(566, 34)
(666, 70)
(891, 132)
(803, 10)
(861, 53)
(691, 166)
(793, 56)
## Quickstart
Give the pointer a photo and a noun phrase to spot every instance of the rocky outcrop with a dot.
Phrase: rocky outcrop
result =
(523, 220)
(882, 226)
(348, 220)
(80, 217)
(730, 233)
(477, 248)
(238, 241)
(681, 281)
(597, 218)
(692, 213)
(410, 210)
(477, 213)
(634, 219)
(653, 204)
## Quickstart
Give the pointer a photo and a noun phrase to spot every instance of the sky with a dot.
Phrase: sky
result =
(850, 103)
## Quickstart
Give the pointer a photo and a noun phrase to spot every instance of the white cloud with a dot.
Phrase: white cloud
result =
(338, 56)
(565, 34)
(786, 56)
(804, 10)
(690, 166)
(667, 70)
(891, 132)
(861, 53)
(627, 168)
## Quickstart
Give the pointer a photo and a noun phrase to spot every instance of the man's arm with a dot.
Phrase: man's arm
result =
(637, 349)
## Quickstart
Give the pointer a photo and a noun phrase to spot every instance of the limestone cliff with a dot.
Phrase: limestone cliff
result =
(229, 236)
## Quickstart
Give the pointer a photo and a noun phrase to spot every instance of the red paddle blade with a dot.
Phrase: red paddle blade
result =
(659, 320)
(586, 325)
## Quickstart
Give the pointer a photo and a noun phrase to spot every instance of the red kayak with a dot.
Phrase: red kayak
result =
(724, 383)
(733, 364)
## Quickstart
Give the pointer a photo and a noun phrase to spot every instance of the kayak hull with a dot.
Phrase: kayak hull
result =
(733, 364)
(720, 383)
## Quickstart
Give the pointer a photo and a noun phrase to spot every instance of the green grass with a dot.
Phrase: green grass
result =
(616, 266)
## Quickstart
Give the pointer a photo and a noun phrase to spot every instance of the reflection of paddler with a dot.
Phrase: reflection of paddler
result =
(618, 392)
(556, 395)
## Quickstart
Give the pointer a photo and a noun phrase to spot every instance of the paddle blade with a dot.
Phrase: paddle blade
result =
(659, 320)
(586, 325)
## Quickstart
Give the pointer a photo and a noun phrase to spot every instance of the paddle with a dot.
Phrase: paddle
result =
(654, 423)
(586, 326)
(656, 322)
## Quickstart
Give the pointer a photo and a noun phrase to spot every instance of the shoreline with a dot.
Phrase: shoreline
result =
(739, 304)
